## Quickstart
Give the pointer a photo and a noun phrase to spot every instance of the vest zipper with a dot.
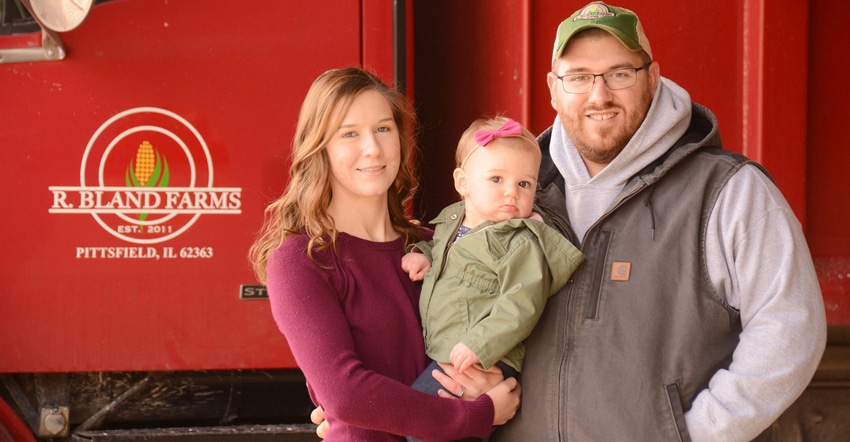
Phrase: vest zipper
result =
(636, 190)
(571, 302)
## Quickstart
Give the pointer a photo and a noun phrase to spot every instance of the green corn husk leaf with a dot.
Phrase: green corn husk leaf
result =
(130, 177)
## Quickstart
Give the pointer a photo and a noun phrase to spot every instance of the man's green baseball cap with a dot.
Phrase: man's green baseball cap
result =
(619, 22)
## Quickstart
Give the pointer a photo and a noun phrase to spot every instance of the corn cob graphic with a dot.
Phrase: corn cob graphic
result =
(145, 162)
(150, 169)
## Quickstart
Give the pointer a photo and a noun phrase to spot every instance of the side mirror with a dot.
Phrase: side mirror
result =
(60, 15)
(52, 16)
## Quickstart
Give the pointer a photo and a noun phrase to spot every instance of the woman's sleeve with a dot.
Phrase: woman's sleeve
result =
(305, 303)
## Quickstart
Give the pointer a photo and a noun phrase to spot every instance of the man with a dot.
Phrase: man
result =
(697, 314)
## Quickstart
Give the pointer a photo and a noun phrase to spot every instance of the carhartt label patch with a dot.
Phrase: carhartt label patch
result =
(620, 271)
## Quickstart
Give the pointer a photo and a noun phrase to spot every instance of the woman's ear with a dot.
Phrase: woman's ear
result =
(460, 181)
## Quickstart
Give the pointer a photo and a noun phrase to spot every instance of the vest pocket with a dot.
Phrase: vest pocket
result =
(597, 275)
(677, 412)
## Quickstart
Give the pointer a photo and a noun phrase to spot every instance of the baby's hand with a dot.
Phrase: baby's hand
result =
(416, 265)
(535, 216)
(462, 357)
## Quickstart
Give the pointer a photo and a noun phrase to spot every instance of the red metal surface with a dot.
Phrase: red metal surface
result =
(784, 99)
(378, 47)
(224, 74)
(827, 161)
(472, 61)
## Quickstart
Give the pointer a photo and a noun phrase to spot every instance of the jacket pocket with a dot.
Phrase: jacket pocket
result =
(677, 412)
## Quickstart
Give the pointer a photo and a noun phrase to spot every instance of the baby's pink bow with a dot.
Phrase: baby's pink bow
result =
(484, 136)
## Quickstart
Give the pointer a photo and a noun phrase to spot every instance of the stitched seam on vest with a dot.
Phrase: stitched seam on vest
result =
(734, 162)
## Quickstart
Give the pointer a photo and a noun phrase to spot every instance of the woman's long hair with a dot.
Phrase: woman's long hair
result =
(303, 205)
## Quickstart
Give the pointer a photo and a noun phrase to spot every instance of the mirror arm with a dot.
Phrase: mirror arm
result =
(51, 46)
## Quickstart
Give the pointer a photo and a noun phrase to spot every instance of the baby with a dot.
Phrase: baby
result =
(492, 263)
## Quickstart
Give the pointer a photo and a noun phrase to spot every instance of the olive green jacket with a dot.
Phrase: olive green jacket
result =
(488, 289)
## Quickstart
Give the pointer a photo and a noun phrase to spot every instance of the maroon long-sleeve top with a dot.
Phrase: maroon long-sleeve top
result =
(354, 331)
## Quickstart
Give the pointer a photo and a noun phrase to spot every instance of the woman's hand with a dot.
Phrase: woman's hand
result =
(318, 418)
(505, 393)
(473, 382)
(506, 399)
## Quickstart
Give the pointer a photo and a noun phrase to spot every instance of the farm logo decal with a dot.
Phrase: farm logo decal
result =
(146, 177)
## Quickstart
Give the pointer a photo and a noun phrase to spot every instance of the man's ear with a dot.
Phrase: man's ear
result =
(654, 73)
(552, 82)
(460, 181)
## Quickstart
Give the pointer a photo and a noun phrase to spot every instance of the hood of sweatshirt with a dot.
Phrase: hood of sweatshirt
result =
(588, 198)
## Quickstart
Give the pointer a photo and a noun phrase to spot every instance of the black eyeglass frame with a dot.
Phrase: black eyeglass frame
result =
(593, 82)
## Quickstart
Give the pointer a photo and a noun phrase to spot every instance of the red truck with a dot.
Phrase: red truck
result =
(142, 139)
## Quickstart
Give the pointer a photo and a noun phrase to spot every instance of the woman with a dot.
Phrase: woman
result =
(330, 252)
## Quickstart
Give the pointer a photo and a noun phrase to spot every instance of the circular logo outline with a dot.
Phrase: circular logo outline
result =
(139, 110)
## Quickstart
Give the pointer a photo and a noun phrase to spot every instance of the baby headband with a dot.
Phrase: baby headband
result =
(486, 136)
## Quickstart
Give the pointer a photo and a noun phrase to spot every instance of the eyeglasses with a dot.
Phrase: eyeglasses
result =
(617, 79)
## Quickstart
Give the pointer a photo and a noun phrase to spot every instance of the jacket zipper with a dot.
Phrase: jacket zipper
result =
(452, 243)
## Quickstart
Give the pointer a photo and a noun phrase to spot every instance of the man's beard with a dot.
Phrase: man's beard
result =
(604, 146)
